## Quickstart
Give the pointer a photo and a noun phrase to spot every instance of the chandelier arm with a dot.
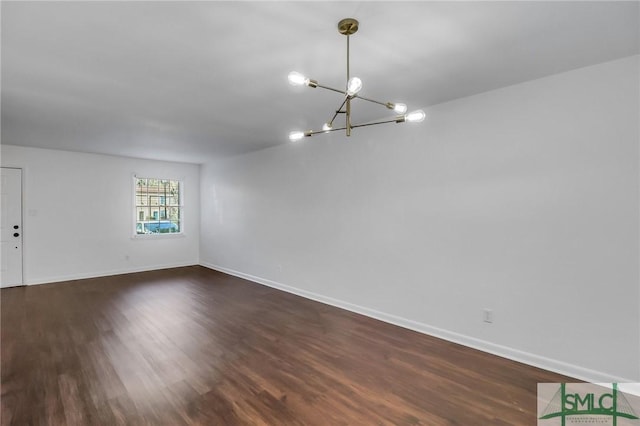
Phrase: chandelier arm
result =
(385, 104)
(316, 132)
(344, 92)
(398, 119)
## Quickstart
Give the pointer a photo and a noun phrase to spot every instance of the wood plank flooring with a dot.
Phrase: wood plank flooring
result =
(194, 346)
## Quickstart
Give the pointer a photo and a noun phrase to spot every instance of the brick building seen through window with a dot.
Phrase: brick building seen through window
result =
(158, 206)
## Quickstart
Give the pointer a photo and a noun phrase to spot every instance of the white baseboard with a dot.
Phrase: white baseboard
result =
(534, 360)
(82, 276)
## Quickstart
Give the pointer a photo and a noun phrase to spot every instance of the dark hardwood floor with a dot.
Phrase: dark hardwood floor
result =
(194, 346)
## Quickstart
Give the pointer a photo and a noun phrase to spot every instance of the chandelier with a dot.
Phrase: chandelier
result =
(347, 27)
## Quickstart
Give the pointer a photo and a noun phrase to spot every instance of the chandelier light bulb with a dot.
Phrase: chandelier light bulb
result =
(415, 116)
(400, 108)
(297, 79)
(353, 86)
(296, 136)
(326, 127)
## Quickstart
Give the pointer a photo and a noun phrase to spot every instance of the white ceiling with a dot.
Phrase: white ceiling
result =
(190, 81)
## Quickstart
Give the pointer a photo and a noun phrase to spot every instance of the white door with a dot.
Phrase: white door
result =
(11, 224)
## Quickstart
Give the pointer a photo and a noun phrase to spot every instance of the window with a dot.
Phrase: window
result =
(158, 206)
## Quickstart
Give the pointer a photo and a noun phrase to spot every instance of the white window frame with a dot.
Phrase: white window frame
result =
(134, 208)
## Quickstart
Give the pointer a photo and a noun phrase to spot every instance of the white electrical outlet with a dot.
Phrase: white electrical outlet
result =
(487, 315)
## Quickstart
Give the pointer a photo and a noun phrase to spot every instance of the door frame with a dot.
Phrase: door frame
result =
(21, 169)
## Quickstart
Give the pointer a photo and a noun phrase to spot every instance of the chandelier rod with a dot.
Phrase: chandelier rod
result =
(348, 57)
(338, 111)
(348, 100)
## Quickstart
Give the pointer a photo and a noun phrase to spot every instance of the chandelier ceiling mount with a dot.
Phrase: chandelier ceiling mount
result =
(348, 26)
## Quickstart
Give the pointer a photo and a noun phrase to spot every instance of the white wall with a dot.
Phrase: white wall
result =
(523, 200)
(78, 215)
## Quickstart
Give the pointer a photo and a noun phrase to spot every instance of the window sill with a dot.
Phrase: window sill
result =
(158, 236)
